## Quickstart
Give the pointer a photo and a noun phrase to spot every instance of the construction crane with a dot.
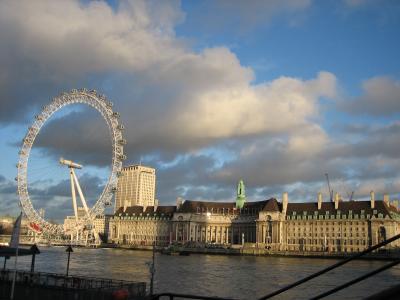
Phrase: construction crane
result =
(329, 187)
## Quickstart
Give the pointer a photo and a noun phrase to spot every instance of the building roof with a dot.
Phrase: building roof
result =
(137, 166)
(148, 211)
(270, 205)
(191, 206)
(344, 207)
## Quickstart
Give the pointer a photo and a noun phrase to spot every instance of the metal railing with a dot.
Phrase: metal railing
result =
(334, 266)
(172, 296)
(70, 282)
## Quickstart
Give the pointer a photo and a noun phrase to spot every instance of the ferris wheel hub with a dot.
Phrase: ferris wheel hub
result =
(70, 164)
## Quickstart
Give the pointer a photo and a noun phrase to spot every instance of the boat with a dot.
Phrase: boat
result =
(170, 250)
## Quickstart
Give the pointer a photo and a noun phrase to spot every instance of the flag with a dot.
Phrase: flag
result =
(14, 243)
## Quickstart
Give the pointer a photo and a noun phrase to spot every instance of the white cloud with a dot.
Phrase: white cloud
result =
(175, 100)
(171, 97)
(68, 37)
(381, 96)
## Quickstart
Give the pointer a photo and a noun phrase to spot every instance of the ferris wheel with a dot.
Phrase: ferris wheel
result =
(104, 107)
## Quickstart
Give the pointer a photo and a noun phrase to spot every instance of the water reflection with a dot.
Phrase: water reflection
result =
(240, 277)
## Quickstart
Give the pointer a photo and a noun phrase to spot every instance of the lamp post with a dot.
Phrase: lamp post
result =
(152, 269)
(69, 250)
(34, 250)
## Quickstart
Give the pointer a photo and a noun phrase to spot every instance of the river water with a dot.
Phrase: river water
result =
(239, 277)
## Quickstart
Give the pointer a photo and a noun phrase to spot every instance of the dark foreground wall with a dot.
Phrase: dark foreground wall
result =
(42, 286)
(25, 292)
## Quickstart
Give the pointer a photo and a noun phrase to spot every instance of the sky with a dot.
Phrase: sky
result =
(276, 92)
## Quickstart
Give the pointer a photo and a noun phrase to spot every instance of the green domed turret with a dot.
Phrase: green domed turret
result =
(241, 195)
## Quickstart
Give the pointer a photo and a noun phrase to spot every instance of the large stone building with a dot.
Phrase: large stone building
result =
(100, 224)
(319, 226)
(136, 187)
(137, 225)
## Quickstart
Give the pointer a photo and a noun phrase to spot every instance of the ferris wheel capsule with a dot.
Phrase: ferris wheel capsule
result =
(122, 142)
(122, 156)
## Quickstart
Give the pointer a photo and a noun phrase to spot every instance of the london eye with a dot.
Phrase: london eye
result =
(59, 103)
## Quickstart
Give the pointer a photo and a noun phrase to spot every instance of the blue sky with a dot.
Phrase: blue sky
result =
(275, 92)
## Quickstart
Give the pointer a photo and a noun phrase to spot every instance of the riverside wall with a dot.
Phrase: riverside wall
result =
(254, 251)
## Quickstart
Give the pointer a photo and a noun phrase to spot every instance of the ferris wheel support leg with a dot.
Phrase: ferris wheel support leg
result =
(80, 192)
(73, 194)
(96, 235)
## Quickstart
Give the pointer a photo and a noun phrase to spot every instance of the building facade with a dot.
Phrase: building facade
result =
(136, 187)
(281, 226)
(336, 226)
(137, 225)
(100, 224)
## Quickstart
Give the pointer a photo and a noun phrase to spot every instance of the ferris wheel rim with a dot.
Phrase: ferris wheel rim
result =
(104, 107)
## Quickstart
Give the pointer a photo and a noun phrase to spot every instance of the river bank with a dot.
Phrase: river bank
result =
(241, 251)
(253, 251)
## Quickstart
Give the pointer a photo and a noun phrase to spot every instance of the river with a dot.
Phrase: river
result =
(239, 277)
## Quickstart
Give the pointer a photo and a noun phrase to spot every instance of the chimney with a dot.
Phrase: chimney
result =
(284, 202)
(155, 204)
(395, 204)
(319, 200)
(386, 198)
(337, 197)
(179, 202)
(372, 199)
(125, 205)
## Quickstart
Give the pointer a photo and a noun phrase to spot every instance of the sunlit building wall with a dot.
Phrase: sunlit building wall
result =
(136, 187)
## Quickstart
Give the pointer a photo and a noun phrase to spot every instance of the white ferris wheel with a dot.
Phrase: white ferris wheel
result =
(104, 107)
